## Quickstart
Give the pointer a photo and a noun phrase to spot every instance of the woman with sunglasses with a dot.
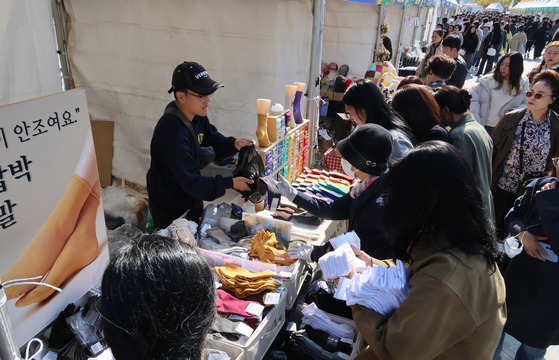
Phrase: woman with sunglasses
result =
(500, 92)
(524, 142)
(529, 279)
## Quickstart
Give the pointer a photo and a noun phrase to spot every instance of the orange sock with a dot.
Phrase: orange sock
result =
(40, 255)
(80, 250)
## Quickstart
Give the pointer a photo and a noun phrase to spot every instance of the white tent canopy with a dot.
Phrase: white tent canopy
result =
(123, 54)
(496, 6)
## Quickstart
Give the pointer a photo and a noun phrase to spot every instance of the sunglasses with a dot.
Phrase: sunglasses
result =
(204, 98)
(536, 96)
(555, 161)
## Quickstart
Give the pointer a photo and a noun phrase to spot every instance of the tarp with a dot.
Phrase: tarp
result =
(124, 53)
(542, 5)
(29, 63)
(494, 6)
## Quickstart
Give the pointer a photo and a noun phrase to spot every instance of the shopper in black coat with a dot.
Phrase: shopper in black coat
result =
(493, 40)
(541, 37)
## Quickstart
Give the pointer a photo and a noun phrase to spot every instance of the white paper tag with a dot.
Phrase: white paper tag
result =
(272, 298)
(342, 355)
(346, 340)
(218, 357)
(285, 274)
(235, 317)
(51, 355)
(255, 309)
(244, 329)
(96, 348)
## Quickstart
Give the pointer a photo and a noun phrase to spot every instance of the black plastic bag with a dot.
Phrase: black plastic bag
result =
(250, 166)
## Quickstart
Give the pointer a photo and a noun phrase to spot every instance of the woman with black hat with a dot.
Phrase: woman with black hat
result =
(365, 156)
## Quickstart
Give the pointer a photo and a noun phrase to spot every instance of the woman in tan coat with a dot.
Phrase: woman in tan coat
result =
(455, 308)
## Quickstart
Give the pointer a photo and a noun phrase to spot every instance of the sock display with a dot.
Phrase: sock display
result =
(228, 304)
(243, 282)
(338, 263)
(378, 288)
(263, 247)
(317, 319)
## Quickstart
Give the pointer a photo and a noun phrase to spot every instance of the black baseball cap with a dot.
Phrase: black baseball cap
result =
(192, 76)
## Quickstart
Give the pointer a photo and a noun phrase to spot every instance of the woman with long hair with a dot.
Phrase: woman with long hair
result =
(524, 143)
(504, 90)
(364, 103)
(470, 44)
(418, 108)
(494, 40)
(455, 308)
(432, 49)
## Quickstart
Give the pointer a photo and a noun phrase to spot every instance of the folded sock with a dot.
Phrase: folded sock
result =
(318, 319)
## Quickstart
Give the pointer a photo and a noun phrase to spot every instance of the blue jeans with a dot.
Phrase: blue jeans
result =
(475, 61)
(524, 352)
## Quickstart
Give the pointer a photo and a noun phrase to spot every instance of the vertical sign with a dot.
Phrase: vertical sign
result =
(51, 219)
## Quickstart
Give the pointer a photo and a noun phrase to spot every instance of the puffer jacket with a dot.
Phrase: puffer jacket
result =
(481, 99)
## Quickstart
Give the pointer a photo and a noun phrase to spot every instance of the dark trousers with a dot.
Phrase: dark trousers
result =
(538, 48)
(486, 61)
(529, 44)
(468, 59)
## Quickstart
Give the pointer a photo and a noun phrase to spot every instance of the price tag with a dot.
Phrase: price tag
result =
(255, 309)
(342, 355)
(346, 340)
(51, 355)
(272, 298)
(218, 357)
(244, 329)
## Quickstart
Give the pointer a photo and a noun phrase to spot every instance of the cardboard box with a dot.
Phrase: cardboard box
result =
(103, 133)
(337, 96)
(326, 94)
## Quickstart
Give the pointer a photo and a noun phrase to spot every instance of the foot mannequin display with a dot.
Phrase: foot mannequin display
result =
(297, 115)
(262, 108)
(290, 91)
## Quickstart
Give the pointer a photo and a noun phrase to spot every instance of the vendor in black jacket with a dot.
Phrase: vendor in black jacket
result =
(365, 156)
(174, 182)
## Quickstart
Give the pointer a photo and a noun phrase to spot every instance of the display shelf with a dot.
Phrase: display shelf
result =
(288, 154)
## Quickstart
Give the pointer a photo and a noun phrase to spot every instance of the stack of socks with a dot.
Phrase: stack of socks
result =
(328, 185)
(317, 319)
(243, 282)
(237, 309)
(350, 238)
(339, 262)
(263, 247)
(378, 288)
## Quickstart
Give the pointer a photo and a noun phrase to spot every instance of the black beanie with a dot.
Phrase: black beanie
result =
(367, 148)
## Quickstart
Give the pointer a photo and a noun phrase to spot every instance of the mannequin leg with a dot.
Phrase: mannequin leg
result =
(80, 250)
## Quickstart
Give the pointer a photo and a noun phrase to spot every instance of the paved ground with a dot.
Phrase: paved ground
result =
(511, 344)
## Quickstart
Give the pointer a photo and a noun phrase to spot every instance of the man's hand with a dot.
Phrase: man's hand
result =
(241, 143)
(363, 256)
(241, 183)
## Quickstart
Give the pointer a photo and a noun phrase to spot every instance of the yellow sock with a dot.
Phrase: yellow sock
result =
(80, 250)
(41, 253)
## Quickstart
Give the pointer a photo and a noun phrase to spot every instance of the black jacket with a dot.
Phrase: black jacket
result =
(532, 291)
(364, 214)
(174, 182)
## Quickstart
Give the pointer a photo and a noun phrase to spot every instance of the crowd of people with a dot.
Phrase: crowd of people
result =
(448, 180)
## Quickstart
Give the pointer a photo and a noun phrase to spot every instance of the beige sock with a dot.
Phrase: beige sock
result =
(41, 253)
(80, 250)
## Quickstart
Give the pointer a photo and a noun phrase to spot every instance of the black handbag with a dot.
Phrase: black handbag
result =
(206, 154)
(250, 165)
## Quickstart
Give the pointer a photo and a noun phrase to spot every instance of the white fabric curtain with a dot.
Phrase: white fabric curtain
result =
(124, 52)
(29, 63)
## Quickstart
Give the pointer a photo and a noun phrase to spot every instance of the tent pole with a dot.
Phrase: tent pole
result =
(381, 19)
(313, 97)
(398, 49)
(58, 14)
